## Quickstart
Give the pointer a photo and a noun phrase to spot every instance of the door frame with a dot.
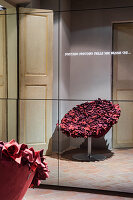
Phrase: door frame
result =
(114, 74)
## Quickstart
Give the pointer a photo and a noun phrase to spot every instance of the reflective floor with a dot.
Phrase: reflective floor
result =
(51, 194)
(113, 174)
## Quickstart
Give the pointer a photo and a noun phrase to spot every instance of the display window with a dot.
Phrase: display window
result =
(66, 86)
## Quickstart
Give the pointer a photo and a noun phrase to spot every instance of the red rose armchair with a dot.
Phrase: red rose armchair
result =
(90, 119)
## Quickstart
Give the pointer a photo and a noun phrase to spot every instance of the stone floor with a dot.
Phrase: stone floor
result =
(113, 174)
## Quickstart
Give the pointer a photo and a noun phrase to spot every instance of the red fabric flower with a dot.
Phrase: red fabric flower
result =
(23, 156)
(90, 119)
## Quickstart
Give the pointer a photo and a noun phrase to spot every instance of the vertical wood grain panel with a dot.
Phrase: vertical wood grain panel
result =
(36, 75)
(11, 25)
(123, 84)
(3, 76)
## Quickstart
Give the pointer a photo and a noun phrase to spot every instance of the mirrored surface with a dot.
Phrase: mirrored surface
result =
(113, 170)
(52, 61)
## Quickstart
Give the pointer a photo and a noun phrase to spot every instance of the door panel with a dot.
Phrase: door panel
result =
(123, 84)
(36, 74)
(3, 79)
(3, 76)
(34, 108)
(11, 32)
(40, 22)
(125, 125)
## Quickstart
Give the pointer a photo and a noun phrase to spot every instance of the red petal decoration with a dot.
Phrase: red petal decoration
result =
(90, 119)
(20, 154)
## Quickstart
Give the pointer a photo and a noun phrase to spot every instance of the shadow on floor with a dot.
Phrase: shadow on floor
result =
(68, 155)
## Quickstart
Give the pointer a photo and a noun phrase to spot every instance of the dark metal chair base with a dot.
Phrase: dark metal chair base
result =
(89, 158)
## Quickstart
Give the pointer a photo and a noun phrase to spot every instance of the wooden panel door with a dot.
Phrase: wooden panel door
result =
(123, 84)
(11, 43)
(3, 76)
(36, 74)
